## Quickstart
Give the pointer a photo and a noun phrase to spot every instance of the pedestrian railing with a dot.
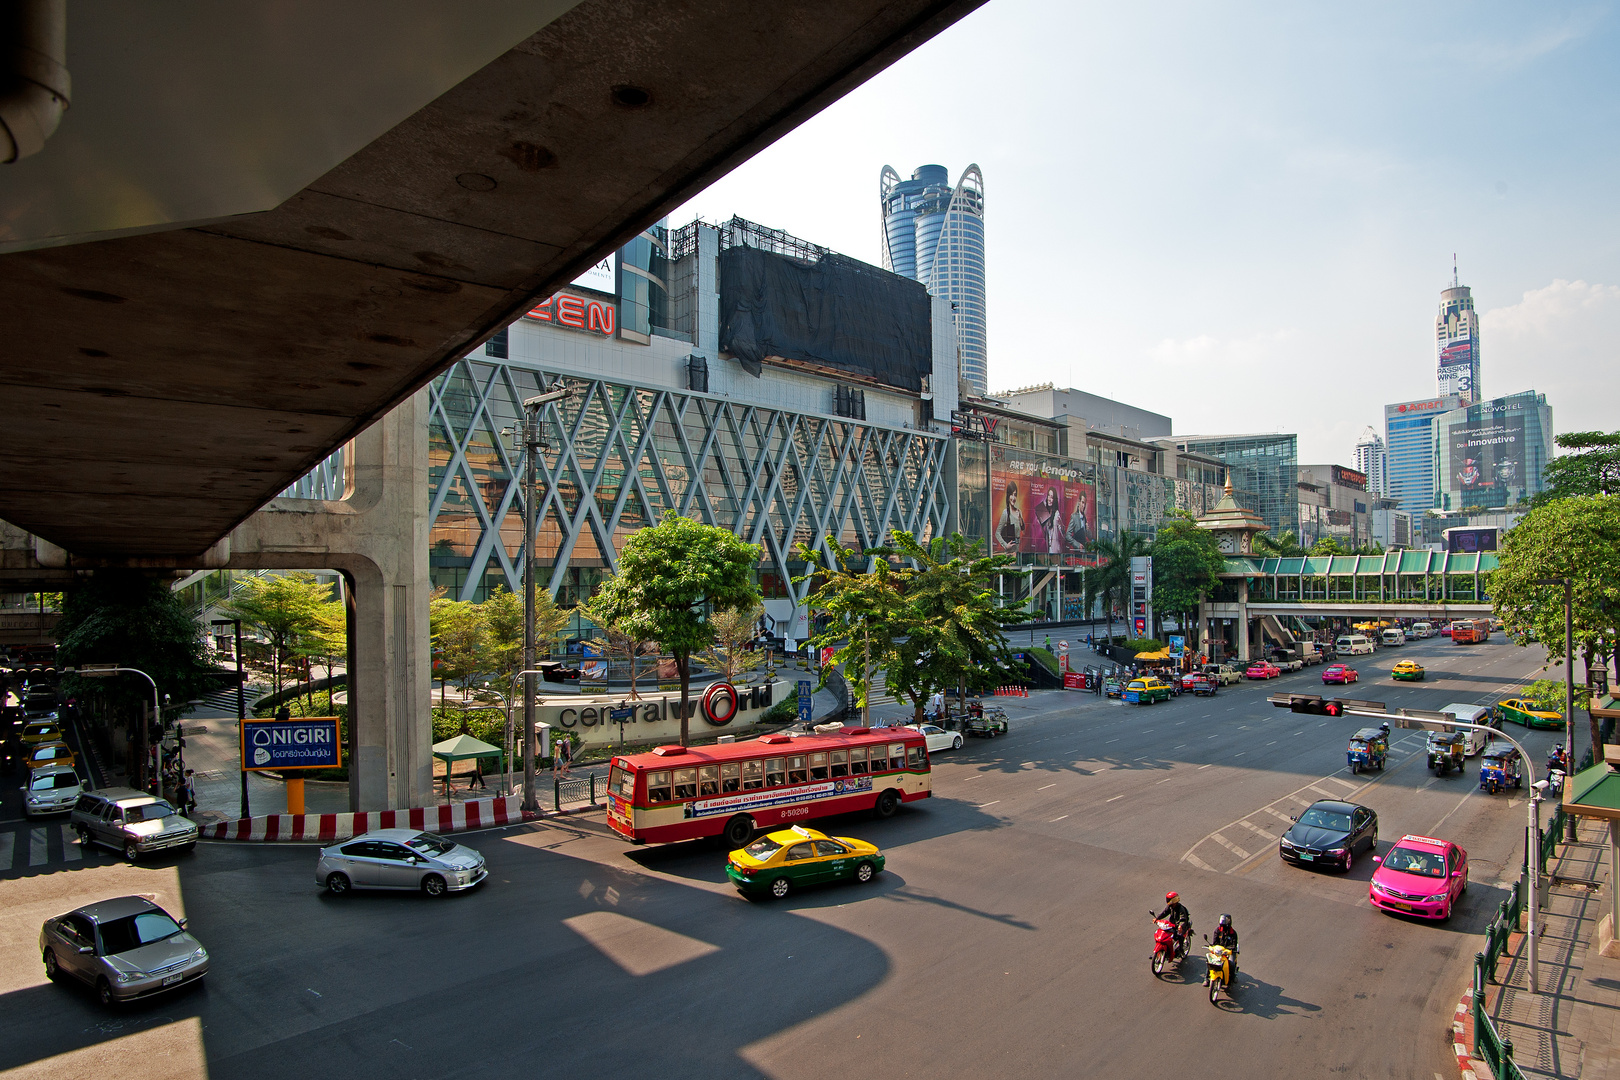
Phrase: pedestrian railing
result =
(573, 789)
(1490, 1045)
(1499, 930)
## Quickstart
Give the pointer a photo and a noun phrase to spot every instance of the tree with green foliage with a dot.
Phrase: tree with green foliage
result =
(327, 638)
(618, 639)
(1578, 538)
(1328, 546)
(860, 591)
(1285, 545)
(459, 630)
(1593, 468)
(733, 631)
(1112, 579)
(134, 621)
(503, 618)
(1187, 564)
(284, 608)
(958, 636)
(672, 577)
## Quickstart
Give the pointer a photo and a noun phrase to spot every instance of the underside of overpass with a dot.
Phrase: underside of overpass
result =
(248, 241)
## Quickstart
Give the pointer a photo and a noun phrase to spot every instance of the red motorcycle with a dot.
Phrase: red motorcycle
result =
(1169, 945)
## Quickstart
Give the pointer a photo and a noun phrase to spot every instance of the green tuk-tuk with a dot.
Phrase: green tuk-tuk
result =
(1447, 750)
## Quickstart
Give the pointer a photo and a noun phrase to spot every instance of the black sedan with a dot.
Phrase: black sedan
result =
(1330, 833)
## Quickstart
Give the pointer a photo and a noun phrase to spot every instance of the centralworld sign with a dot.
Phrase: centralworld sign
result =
(309, 742)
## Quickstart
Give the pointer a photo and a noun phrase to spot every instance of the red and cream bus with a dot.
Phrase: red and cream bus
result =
(734, 789)
(1469, 631)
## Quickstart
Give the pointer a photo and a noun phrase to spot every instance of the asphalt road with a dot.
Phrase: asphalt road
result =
(1008, 937)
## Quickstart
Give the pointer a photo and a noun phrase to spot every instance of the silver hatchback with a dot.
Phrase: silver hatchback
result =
(126, 948)
(399, 859)
(51, 790)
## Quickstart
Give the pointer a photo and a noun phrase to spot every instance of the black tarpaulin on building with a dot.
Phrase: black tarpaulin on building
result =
(837, 312)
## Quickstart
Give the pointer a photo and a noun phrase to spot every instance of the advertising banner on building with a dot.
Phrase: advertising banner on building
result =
(1039, 513)
(1487, 455)
(1457, 368)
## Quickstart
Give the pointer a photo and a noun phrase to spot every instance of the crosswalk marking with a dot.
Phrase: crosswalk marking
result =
(6, 843)
(1228, 845)
(71, 852)
(37, 853)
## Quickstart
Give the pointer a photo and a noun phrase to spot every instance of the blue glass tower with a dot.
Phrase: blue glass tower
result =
(934, 233)
(1409, 450)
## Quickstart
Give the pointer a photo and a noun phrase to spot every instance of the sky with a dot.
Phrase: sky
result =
(1242, 215)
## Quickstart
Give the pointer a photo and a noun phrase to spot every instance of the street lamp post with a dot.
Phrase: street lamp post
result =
(102, 671)
(241, 704)
(533, 442)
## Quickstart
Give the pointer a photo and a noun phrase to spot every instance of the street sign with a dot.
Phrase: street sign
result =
(309, 742)
(804, 701)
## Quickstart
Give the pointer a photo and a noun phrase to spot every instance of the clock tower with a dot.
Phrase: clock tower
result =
(1234, 527)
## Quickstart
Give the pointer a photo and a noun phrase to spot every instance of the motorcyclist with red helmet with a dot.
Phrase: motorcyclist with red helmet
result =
(1174, 912)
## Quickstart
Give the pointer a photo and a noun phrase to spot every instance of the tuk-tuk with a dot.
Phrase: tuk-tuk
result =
(1500, 769)
(1368, 748)
(1447, 750)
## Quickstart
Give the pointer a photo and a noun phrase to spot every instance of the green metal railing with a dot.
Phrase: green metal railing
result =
(1497, 933)
(1489, 1044)
(573, 789)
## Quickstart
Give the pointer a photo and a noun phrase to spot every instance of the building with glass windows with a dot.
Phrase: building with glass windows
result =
(1264, 470)
(1370, 460)
(934, 233)
(1409, 451)
(1490, 455)
(1334, 504)
(1456, 333)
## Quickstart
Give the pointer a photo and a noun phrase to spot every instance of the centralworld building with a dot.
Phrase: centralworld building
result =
(933, 232)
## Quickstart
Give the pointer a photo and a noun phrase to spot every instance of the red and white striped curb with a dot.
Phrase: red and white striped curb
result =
(1460, 1024)
(452, 817)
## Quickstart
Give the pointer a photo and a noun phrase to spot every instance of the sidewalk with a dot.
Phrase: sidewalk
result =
(1570, 1029)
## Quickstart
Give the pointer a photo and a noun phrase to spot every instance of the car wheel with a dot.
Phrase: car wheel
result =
(337, 883)
(781, 887)
(956, 743)
(1349, 859)
(131, 852)
(887, 803)
(433, 885)
(866, 871)
(739, 830)
(84, 837)
(104, 993)
(52, 971)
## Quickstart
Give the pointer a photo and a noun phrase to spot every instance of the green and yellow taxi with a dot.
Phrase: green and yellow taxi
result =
(1147, 691)
(1529, 714)
(788, 859)
(37, 734)
(1407, 671)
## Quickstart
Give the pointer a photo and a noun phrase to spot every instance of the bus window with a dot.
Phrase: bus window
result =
(818, 766)
(774, 776)
(795, 769)
(658, 787)
(685, 783)
(897, 755)
(709, 780)
(753, 775)
(622, 783)
(917, 759)
(857, 761)
(728, 777)
(840, 763)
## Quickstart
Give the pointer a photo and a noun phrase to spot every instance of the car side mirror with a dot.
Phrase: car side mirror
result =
(86, 950)
(1456, 873)
(182, 923)
(1378, 858)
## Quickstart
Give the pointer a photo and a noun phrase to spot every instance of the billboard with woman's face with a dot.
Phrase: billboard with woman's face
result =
(1037, 513)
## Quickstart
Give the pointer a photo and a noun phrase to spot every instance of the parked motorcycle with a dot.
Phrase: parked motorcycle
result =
(1169, 943)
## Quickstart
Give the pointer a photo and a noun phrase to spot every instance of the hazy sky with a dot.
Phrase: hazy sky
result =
(1242, 215)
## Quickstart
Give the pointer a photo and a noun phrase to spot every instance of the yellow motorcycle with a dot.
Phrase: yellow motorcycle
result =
(1217, 970)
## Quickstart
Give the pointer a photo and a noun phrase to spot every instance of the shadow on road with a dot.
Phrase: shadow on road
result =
(1265, 1000)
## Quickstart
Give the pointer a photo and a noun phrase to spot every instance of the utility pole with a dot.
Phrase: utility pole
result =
(533, 442)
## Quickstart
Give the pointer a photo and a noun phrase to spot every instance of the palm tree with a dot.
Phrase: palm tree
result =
(1113, 578)
(1285, 546)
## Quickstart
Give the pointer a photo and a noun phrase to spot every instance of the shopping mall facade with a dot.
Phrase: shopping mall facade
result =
(773, 388)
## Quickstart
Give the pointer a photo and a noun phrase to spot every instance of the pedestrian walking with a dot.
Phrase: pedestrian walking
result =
(477, 775)
(188, 793)
(561, 755)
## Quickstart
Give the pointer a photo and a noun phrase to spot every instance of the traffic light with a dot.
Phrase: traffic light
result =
(1311, 704)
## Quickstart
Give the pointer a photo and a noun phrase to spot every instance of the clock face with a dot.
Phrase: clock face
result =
(1228, 543)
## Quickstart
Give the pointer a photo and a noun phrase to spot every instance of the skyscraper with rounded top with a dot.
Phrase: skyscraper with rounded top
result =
(1456, 334)
(934, 233)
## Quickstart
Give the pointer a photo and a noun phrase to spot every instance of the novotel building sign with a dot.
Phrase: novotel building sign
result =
(576, 313)
(309, 742)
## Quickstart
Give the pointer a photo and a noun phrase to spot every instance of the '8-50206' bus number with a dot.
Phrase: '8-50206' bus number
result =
(796, 811)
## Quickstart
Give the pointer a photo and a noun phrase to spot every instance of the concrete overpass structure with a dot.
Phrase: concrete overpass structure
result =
(255, 233)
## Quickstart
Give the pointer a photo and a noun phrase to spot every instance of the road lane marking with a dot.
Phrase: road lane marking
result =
(1323, 791)
(1252, 827)
(1279, 815)
(70, 846)
(1436, 830)
(1167, 779)
(1202, 767)
(1060, 818)
(1044, 788)
(1116, 798)
(1201, 864)
(1111, 741)
(1228, 845)
(992, 802)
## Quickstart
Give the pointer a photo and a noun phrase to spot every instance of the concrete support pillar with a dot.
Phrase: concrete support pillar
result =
(1245, 629)
(377, 536)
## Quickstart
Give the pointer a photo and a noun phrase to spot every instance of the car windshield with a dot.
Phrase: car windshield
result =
(430, 843)
(1411, 861)
(133, 931)
(152, 811)
(51, 781)
(763, 848)
(1319, 818)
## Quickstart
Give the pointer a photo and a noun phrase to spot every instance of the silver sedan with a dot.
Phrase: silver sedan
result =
(399, 859)
(126, 948)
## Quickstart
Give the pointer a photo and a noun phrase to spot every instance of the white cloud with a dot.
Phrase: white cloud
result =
(1563, 340)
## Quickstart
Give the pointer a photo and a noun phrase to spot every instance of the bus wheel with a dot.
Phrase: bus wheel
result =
(739, 830)
(887, 803)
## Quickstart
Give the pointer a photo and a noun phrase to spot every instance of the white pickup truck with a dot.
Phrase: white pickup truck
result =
(1225, 674)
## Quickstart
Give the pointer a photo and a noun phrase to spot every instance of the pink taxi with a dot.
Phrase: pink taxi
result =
(1421, 876)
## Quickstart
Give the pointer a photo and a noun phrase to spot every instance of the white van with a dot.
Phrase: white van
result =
(1473, 714)
(1393, 635)
(1353, 645)
(1421, 630)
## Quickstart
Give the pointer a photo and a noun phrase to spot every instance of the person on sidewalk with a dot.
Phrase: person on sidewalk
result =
(477, 775)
